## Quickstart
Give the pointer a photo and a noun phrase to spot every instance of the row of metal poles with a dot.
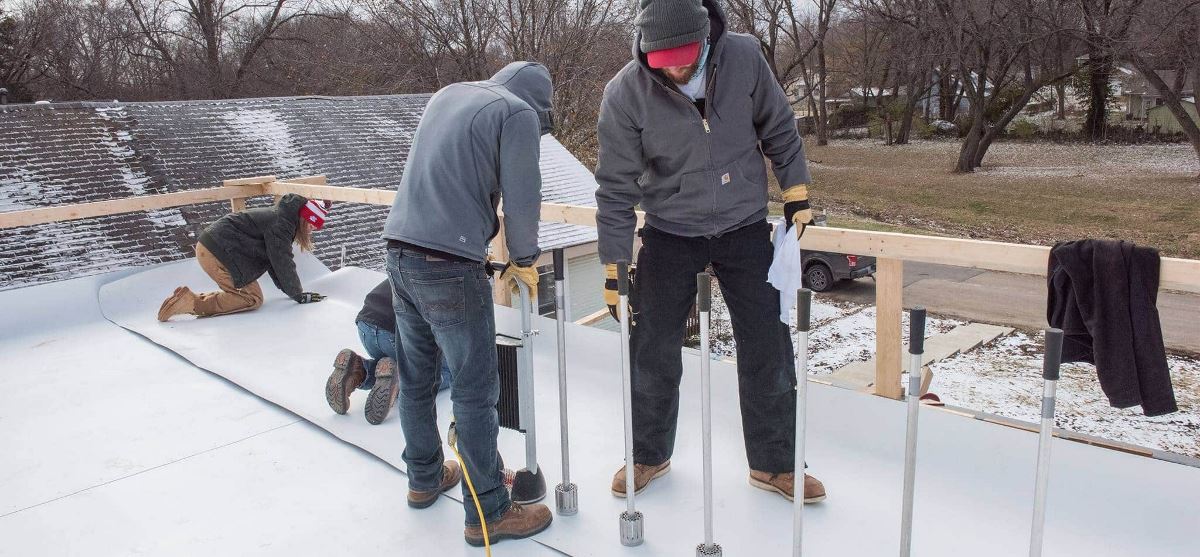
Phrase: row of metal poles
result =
(632, 525)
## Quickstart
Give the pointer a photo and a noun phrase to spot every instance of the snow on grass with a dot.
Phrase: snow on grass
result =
(842, 333)
(1004, 378)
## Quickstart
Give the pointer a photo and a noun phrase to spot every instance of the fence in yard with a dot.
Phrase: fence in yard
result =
(890, 249)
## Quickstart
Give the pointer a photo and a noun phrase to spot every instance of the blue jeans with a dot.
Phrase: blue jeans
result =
(448, 305)
(380, 343)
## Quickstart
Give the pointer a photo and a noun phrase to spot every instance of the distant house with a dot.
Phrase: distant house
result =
(63, 153)
(1161, 119)
(1139, 97)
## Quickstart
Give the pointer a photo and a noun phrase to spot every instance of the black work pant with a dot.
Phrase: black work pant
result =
(664, 291)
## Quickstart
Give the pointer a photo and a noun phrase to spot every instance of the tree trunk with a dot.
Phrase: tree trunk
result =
(970, 146)
(945, 96)
(822, 110)
(1172, 101)
(1061, 91)
(1096, 124)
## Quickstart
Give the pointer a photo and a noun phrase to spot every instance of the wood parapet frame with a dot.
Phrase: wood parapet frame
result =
(64, 213)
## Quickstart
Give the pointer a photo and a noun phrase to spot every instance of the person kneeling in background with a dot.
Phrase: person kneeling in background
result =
(239, 247)
(377, 372)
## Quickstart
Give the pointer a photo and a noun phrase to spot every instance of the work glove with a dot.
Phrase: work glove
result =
(611, 296)
(527, 275)
(796, 210)
(308, 297)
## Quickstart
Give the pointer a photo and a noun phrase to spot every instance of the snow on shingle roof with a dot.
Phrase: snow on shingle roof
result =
(67, 153)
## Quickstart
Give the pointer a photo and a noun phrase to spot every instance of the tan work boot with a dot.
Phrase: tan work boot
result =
(520, 521)
(181, 301)
(784, 484)
(384, 392)
(451, 474)
(348, 374)
(643, 474)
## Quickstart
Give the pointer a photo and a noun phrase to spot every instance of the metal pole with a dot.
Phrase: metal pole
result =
(704, 305)
(916, 349)
(528, 422)
(803, 323)
(632, 527)
(1050, 364)
(529, 483)
(566, 495)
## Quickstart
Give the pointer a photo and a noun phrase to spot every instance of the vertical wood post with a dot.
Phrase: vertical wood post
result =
(237, 204)
(501, 291)
(889, 307)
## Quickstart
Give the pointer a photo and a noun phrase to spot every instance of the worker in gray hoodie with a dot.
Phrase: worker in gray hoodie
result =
(477, 143)
(683, 131)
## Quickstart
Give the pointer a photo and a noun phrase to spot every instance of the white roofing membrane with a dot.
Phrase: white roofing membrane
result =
(114, 445)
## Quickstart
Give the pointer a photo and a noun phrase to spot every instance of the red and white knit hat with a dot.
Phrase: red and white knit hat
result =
(315, 212)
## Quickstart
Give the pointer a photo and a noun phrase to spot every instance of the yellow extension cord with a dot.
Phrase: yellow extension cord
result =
(452, 438)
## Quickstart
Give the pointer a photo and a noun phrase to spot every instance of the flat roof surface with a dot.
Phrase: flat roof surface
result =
(153, 442)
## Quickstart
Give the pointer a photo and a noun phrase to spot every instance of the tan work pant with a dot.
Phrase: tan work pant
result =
(230, 299)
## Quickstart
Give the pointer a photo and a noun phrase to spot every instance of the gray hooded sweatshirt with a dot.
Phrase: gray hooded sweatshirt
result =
(694, 174)
(477, 142)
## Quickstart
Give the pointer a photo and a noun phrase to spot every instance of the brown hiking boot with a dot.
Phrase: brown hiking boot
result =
(181, 301)
(784, 484)
(520, 521)
(348, 374)
(383, 394)
(643, 474)
(451, 474)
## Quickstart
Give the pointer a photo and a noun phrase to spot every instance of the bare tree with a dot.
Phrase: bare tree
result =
(1002, 49)
(217, 37)
(1170, 39)
(461, 33)
(1106, 25)
(24, 34)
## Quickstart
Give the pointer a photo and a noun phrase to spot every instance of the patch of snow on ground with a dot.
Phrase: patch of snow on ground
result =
(842, 333)
(1004, 378)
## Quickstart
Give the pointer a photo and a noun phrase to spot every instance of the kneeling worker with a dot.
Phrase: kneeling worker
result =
(239, 247)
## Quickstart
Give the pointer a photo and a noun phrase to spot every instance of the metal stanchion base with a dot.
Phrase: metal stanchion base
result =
(528, 487)
(631, 528)
(708, 550)
(566, 497)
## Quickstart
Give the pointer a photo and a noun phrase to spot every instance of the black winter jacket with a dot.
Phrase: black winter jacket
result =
(1102, 294)
(257, 241)
(377, 308)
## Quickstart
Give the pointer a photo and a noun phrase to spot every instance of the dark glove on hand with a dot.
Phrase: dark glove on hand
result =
(611, 296)
(796, 209)
(308, 297)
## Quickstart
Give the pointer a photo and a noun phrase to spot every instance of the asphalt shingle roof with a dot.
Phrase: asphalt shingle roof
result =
(67, 153)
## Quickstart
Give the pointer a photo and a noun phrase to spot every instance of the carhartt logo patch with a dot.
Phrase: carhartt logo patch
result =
(725, 178)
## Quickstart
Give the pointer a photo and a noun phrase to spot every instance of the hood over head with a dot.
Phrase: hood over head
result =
(530, 82)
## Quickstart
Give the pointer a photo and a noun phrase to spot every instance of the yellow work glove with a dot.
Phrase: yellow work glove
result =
(611, 297)
(796, 210)
(527, 275)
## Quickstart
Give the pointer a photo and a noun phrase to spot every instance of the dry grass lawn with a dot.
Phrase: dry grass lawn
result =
(1027, 193)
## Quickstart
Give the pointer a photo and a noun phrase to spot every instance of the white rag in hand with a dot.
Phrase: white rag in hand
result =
(787, 270)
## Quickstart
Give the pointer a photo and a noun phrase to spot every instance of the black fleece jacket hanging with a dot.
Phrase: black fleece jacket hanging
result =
(1103, 295)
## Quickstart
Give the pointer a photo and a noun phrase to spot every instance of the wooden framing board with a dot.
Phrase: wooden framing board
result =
(332, 193)
(62, 213)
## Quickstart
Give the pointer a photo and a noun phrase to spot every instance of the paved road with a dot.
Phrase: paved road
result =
(1013, 300)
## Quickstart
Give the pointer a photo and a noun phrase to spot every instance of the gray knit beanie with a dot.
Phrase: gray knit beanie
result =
(670, 23)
